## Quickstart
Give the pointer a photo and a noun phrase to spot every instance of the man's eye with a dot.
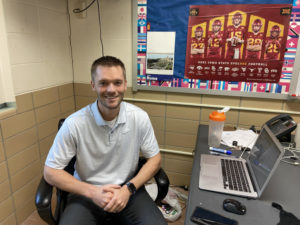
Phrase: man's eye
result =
(102, 83)
(118, 83)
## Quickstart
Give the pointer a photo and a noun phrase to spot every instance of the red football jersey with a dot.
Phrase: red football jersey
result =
(238, 32)
(273, 47)
(215, 44)
(252, 40)
(198, 44)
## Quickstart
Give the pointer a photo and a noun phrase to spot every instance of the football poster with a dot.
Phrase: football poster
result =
(237, 42)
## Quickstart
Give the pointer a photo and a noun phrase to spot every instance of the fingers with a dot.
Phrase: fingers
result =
(112, 205)
(119, 207)
(102, 198)
(115, 206)
(118, 202)
(110, 188)
(107, 197)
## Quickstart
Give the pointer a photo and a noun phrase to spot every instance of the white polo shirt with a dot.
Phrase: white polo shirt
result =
(104, 155)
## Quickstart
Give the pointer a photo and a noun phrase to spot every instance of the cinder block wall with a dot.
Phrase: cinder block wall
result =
(25, 139)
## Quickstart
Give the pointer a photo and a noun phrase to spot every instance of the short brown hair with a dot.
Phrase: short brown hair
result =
(108, 61)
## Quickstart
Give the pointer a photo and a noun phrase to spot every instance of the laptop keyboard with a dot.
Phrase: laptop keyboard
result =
(234, 175)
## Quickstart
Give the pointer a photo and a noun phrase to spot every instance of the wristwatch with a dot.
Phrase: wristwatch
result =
(131, 187)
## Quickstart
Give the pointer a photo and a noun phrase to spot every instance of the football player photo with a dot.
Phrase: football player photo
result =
(273, 44)
(255, 40)
(215, 40)
(197, 43)
(235, 37)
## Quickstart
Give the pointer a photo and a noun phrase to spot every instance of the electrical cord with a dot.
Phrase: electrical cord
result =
(294, 158)
(71, 48)
(77, 10)
(100, 33)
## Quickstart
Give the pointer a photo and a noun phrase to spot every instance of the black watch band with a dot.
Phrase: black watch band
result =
(131, 187)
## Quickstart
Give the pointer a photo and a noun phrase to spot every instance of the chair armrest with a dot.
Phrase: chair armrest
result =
(162, 181)
(43, 202)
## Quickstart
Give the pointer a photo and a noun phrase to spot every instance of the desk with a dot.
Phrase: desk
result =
(283, 188)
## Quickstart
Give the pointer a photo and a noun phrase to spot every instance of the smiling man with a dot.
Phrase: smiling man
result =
(106, 137)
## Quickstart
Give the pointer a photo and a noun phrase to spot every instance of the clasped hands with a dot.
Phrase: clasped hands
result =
(111, 197)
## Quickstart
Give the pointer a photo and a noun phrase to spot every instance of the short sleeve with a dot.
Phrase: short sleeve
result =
(149, 145)
(63, 148)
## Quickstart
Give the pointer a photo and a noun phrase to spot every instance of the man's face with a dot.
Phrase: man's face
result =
(256, 28)
(216, 28)
(236, 21)
(274, 34)
(198, 34)
(110, 85)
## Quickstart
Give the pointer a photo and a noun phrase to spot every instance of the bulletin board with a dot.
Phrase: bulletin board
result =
(171, 25)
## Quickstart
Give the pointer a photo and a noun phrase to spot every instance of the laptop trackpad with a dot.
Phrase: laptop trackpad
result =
(210, 170)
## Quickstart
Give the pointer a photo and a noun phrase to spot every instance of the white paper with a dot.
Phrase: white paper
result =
(245, 138)
(160, 53)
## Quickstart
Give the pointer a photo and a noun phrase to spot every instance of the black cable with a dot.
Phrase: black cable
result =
(77, 10)
(70, 41)
(99, 21)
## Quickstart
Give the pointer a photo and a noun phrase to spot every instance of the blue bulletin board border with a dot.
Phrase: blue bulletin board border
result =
(144, 80)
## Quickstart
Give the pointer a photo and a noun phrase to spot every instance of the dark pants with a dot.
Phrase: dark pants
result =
(140, 210)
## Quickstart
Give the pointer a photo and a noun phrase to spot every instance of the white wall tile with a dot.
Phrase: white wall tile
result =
(53, 23)
(86, 46)
(33, 2)
(36, 76)
(6, 78)
(29, 77)
(2, 23)
(128, 66)
(6, 83)
(20, 17)
(56, 5)
(38, 43)
(55, 47)
(2, 99)
(82, 72)
(59, 71)
(120, 48)
(116, 19)
(24, 48)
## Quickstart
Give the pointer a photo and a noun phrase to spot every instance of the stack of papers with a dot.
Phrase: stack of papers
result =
(244, 138)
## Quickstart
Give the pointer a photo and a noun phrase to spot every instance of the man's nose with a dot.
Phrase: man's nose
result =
(111, 87)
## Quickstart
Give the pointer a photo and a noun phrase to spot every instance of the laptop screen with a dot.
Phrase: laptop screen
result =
(263, 157)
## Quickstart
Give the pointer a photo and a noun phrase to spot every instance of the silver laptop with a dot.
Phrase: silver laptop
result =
(243, 177)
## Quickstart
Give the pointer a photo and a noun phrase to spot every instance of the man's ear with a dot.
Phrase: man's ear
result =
(93, 85)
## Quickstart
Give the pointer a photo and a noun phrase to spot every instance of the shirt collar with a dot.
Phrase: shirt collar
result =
(99, 119)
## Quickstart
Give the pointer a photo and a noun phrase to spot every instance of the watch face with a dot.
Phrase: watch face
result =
(131, 187)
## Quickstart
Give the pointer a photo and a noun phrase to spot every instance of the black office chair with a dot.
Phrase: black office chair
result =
(44, 193)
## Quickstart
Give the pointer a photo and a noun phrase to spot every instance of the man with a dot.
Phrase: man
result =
(254, 41)
(273, 44)
(198, 45)
(106, 137)
(235, 37)
(215, 40)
